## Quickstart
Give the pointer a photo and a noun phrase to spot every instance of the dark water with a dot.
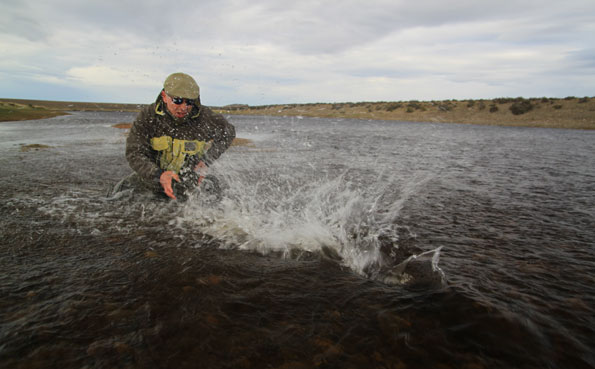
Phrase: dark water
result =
(338, 244)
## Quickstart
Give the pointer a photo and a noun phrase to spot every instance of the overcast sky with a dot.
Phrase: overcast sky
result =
(278, 51)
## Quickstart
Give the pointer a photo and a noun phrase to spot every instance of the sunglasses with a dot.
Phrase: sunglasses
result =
(181, 100)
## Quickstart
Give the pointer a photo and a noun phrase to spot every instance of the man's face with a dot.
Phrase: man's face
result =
(177, 110)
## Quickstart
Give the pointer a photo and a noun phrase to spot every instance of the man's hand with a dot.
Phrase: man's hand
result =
(165, 180)
(201, 170)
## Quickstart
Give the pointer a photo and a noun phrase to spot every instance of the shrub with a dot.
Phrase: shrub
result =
(470, 103)
(358, 104)
(583, 100)
(414, 104)
(493, 108)
(521, 107)
(446, 106)
(482, 105)
(557, 107)
(393, 106)
(503, 100)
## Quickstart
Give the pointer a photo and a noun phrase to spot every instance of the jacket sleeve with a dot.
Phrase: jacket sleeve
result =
(222, 134)
(139, 153)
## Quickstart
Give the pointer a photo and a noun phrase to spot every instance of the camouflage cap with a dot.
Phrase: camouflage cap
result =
(181, 85)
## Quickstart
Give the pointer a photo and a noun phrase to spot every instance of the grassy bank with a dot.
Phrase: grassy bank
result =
(15, 112)
(569, 112)
(19, 109)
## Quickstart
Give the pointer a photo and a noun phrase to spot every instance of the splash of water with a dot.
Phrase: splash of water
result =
(275, 212)
(288, 209)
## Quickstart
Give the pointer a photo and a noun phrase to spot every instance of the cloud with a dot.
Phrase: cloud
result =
(96, 75)
(262, 52)
(16, 19)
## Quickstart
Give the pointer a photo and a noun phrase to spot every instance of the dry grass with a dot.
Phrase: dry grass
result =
(571, 113)
(19, 109)
(73, 106)
(16, 112)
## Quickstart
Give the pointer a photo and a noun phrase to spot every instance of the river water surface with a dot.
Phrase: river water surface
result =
(336, 244)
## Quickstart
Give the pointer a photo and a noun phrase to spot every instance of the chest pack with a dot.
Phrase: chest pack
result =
(173, 152)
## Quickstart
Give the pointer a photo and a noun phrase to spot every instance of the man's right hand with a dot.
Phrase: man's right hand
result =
(165, 181)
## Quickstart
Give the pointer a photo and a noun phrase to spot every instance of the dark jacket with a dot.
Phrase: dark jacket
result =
(202, 125)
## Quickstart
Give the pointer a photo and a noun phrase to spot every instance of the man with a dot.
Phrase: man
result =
(175, 139)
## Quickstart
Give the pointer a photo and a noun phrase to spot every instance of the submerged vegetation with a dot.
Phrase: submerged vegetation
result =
(569, 112)
(33, 147)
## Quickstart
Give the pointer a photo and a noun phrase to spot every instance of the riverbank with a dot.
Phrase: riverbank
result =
(569, 112)
(10, 111)
(20, 109)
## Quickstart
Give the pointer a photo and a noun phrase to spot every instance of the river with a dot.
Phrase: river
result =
(336, 244)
